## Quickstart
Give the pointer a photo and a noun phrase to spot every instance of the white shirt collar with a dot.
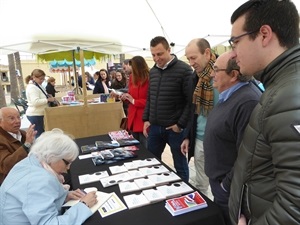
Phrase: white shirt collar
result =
(16, 136)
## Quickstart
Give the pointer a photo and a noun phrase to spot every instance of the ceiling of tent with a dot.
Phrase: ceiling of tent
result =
(127, 25)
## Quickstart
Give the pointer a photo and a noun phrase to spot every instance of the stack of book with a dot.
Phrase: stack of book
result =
(186, 203)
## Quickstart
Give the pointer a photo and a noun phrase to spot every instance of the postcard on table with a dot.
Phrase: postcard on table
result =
(111, 206)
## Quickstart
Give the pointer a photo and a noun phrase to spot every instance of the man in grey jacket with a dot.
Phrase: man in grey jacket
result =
(265, 184)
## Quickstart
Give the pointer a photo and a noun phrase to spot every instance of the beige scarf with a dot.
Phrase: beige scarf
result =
(58, 176)
(203, 96)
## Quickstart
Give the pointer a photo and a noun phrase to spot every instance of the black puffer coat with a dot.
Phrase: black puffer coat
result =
(169, 95)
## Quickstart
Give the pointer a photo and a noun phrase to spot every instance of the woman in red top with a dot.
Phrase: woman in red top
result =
(137, 97)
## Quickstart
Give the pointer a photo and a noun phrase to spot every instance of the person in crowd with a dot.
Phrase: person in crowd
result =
(38, 99)
(89, 80)
(265, 183)
(225, 126)
(137, 97)
(168, 104)
(15, 143)
(127, 69)
(50, 88)
(100, 85)
(33, 192)
(112, 75)
(72, 81)
(120, 81)
(105, 77)
(45, 82)
(200, 56)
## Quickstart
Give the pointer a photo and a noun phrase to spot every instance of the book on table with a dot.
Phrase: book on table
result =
(185, 203)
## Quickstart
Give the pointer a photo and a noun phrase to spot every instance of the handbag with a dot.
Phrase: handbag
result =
(123, 124)
(54, 103)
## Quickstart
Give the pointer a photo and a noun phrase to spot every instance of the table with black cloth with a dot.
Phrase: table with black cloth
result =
(153, 214)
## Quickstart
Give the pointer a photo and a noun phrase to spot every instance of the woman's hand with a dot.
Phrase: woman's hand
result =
(75, 195)
(90, 199)
(127, 97)
(50, 98)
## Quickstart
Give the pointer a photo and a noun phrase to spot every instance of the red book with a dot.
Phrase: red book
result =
(185, 203)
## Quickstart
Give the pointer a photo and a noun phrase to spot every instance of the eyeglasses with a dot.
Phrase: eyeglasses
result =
(216, 70)
(233, 40)
(66, 162)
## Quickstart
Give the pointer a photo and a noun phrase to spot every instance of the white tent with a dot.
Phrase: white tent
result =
(131, 23)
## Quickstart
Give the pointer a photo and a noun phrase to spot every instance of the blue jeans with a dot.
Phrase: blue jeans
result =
(39, 124)
(158, 137)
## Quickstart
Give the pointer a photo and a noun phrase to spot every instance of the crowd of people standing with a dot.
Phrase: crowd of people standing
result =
(245, 140)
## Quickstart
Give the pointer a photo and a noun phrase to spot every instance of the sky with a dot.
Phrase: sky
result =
(131, 22)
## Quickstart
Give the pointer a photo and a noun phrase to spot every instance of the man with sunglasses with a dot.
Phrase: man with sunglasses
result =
(265, 184)
(226, 124)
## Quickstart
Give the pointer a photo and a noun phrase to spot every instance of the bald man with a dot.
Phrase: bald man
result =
(14, 143)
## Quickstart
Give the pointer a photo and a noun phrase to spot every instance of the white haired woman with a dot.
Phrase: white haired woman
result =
(33, 192)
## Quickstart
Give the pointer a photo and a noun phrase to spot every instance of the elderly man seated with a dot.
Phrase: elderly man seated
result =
(14, 143)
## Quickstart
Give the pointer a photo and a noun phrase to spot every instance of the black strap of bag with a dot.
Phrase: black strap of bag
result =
(51, 104)
(36, 84)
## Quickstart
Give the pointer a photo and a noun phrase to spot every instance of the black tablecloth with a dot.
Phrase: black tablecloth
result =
(154, 214)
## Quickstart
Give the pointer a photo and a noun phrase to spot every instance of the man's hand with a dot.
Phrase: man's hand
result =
(30, 134)
(185, 146)
(146, 127)
(242, 220)
(175, 128)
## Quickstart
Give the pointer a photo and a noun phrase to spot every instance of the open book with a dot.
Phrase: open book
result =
(102, 197)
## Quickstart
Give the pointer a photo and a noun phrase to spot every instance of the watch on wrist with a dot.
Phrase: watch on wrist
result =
(26, 146)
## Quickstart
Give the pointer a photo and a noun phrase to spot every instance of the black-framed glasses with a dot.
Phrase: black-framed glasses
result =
(216, 70)
(66, 162)
(232, 41)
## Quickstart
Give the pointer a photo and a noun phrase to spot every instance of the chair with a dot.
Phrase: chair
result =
(20, 105)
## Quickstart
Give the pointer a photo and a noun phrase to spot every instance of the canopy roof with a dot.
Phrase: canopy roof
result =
(117, 26)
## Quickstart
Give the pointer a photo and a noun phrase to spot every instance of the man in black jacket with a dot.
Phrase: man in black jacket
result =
(168, 104)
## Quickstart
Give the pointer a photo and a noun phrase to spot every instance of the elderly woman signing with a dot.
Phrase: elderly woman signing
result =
(33, 192)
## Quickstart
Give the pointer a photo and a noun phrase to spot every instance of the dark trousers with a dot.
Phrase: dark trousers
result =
(158, 137)
(39, 124)
(221, 198)
(141, 138)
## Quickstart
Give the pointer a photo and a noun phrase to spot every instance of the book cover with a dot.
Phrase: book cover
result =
(106, 144)
(128, 186)
(128, 141)
(119, 134)
(186, 203)
(94, 177)
(164, 178)
(136, 200)
(121, 154)
(88, 148)
(153, 195)
(111, 206)
(174, 189)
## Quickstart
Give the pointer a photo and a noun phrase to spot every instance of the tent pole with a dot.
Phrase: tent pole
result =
(75, 74)
(83, 77)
